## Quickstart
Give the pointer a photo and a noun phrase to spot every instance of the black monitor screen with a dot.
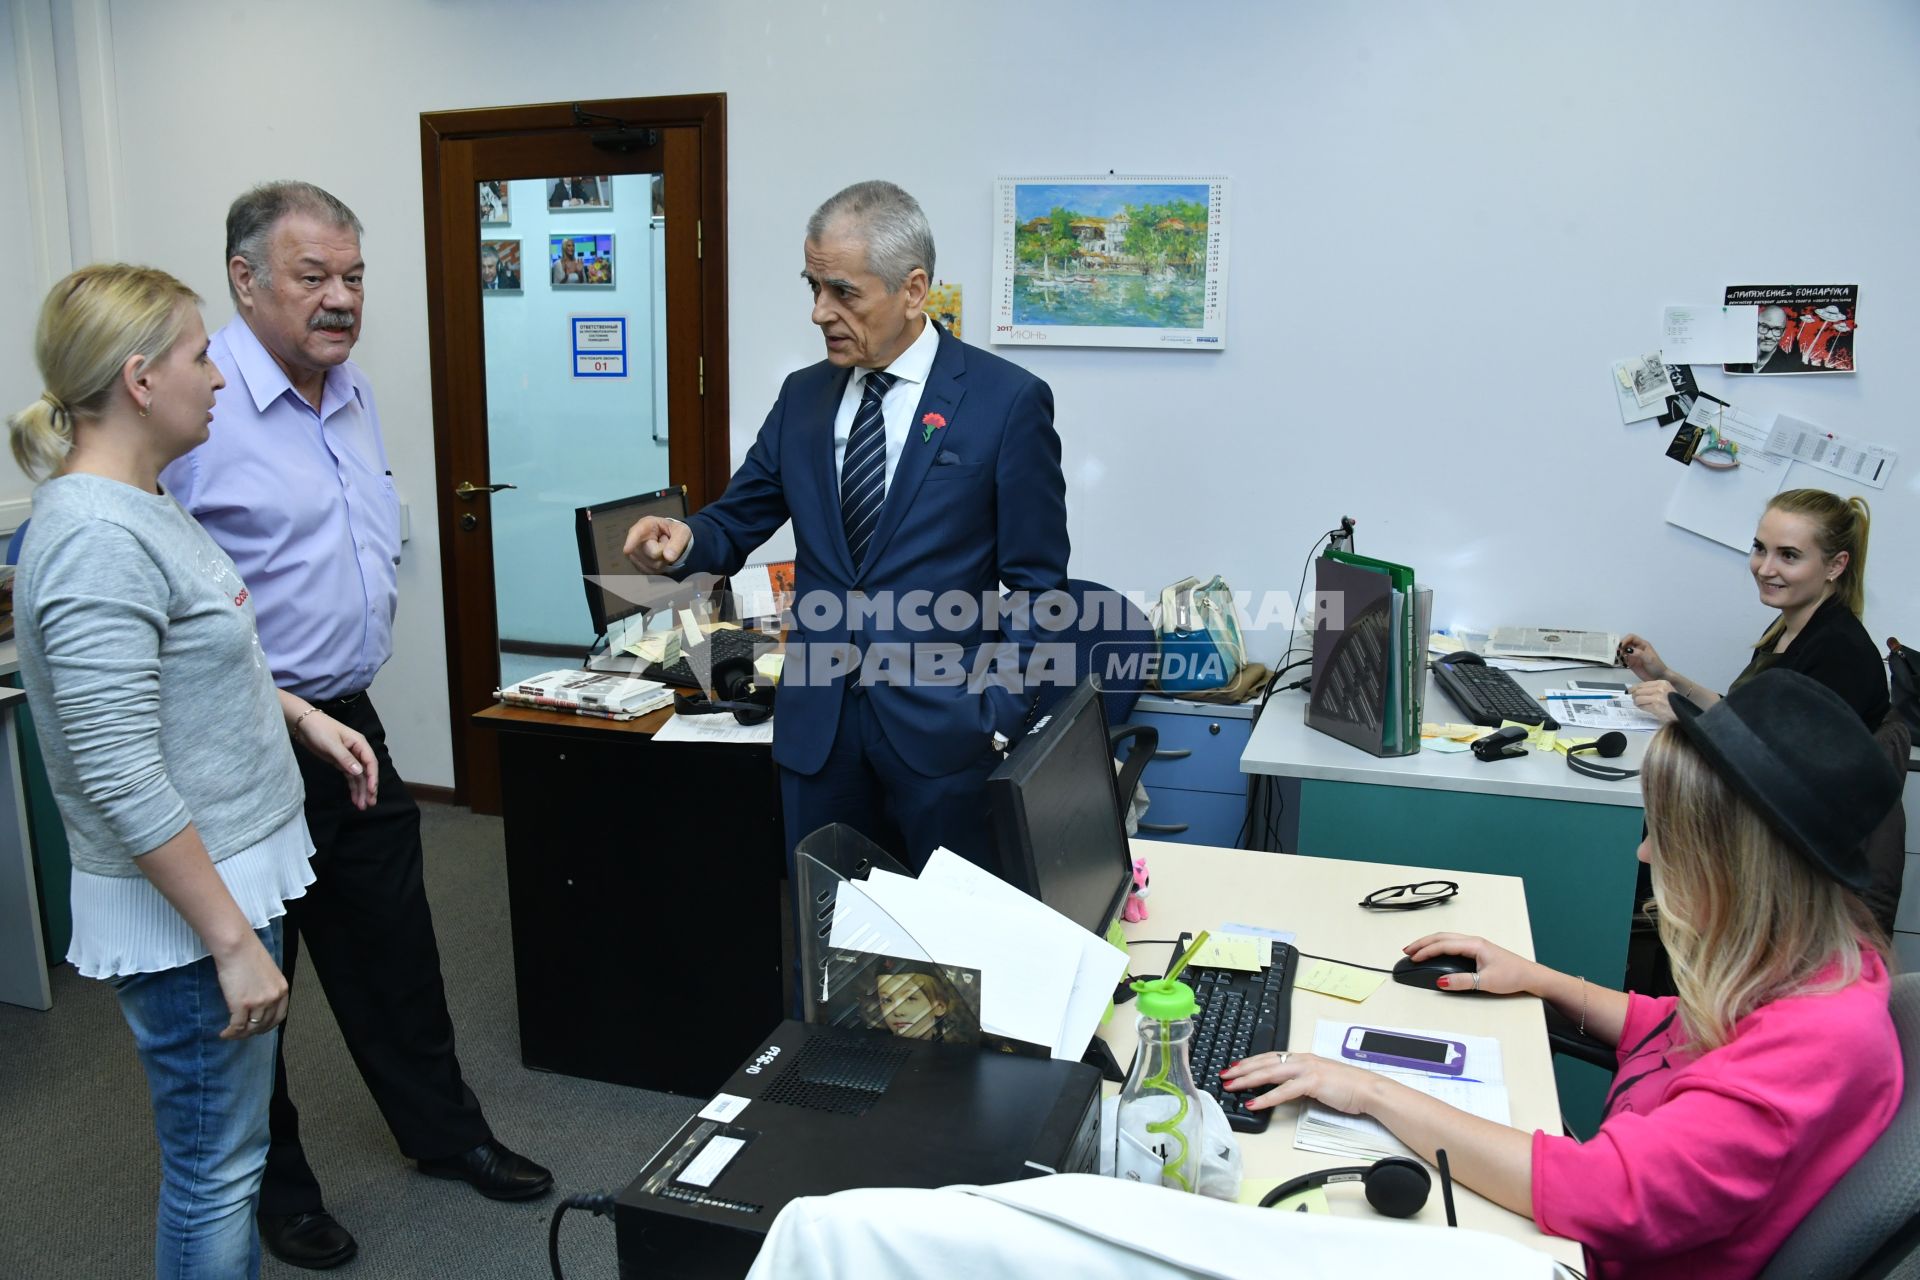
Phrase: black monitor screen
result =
(601, 531)
(1056, 815)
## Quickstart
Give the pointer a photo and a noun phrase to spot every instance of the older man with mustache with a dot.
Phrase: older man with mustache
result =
(293, 484)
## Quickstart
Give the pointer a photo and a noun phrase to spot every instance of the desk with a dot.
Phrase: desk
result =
(23, 959)
(643, 880)
(1199, 888)
(1569, 837)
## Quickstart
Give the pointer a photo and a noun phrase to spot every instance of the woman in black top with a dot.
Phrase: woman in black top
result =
(1809, 560)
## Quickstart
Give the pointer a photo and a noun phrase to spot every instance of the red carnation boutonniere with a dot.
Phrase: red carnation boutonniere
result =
(929, 424)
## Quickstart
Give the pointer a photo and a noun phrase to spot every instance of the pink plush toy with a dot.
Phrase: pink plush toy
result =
(1136, 905)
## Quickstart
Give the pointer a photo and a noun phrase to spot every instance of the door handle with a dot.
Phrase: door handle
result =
(466, 489)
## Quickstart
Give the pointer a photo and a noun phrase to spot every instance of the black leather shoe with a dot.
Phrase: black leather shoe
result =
(493, 1171)
(311, 1240)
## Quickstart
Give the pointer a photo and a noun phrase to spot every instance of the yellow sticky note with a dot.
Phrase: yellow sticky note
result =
(1312, 1200)
(770, 665)
(1234, 951)
(1342, 980)
(1445, 746)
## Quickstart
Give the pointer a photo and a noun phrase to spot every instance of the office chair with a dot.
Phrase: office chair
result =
(1887, 847)
(1868, 1225)
(1118, 653)
(13, 543)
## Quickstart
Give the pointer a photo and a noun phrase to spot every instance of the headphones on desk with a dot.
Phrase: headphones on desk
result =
(1610, 744)
(1396, 1186)
(733, 690)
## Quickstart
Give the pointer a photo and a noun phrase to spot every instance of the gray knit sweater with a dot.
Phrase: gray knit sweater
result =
(152, 700)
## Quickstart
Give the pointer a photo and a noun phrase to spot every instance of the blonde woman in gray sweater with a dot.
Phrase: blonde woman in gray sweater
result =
(166, 743)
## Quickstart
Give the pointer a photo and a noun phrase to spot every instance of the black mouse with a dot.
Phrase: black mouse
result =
(1464, 658)
(1427, 973)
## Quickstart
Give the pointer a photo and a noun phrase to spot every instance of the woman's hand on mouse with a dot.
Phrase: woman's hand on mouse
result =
(1500, 972)
(1641, 658)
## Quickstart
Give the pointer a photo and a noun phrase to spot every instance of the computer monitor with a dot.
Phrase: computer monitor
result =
(1056, 815)
(601, 530)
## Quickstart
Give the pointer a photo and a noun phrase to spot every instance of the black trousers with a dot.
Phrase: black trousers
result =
(365, 925)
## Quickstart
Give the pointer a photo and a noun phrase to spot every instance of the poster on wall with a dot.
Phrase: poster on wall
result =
(1111, 262)
(567, 194)
(943, 304)
(500, 266)
(1803, 328)
(599, 346)
(495, 203)
(580, 261)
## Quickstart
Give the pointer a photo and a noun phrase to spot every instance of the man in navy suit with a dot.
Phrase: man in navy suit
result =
(921, 475)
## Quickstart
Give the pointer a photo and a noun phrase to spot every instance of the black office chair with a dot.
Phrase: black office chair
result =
(1887, 847)
(1868, 1226)
(1113, 641)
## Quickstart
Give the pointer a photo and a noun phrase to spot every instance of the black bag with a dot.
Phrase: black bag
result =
(1903, 670)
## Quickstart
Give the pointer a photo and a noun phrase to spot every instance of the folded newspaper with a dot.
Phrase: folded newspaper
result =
(1598, 647)
(573, 688)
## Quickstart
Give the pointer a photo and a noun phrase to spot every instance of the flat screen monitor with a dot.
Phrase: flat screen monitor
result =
(1056, 815)
(601, 530)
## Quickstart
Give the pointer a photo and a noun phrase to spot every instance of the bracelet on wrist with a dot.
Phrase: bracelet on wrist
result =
(294, 728)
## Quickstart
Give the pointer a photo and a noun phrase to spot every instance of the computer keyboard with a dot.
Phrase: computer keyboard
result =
(1489, 696)
(1241, 1014)
(722, 643)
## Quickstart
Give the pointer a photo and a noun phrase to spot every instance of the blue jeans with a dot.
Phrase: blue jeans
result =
(210, 1114)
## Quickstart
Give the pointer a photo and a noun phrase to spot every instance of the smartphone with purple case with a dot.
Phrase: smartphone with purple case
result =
(1408, 1052)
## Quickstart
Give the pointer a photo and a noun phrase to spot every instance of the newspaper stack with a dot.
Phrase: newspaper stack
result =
(588, 693)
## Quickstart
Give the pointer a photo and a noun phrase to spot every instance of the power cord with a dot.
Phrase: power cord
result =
(601, 1205)
(1374, 968)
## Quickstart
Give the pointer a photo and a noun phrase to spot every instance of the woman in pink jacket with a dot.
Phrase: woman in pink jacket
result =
(1741, 1102)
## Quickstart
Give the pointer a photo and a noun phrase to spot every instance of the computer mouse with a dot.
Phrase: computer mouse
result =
(1464, 658)
(1427, 973)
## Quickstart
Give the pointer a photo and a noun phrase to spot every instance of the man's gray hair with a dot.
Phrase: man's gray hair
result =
(252, 218)
(896, 232)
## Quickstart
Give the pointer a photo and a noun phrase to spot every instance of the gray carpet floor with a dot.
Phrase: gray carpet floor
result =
(79, 1169)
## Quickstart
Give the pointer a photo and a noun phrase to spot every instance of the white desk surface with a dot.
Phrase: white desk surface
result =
(1195, 888)
(1282, 744)
(9, 657)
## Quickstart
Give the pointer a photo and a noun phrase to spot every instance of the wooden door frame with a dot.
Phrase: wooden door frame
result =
(699, 447)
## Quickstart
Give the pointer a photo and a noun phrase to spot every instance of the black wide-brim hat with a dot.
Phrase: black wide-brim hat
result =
(1794, 750)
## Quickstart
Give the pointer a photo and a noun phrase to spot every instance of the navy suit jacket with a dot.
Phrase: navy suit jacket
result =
(980, 503)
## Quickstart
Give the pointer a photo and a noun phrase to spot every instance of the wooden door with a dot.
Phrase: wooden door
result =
(680, 139)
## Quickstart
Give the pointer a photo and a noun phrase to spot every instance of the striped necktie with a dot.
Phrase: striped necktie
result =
(863, 472)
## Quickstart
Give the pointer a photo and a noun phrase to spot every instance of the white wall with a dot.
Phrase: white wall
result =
(1448, 218)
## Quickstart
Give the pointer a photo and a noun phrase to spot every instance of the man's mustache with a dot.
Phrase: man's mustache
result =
(331, 320)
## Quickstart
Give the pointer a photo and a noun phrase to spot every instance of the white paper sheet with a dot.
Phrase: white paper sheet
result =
(1026, 975)
(719, 727)
(753, 592)
(1708, 334)
(1631, 410)
(1845, 456)
(1483, 1093)
(1725, 505)
(1098, 964)
(1592, 709)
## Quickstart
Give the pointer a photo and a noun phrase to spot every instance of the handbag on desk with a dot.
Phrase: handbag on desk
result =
(1198, 635)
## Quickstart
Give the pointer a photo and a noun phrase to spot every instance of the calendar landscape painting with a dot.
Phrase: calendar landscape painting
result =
(1120, 262)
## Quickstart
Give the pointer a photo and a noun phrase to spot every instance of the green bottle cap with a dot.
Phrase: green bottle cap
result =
(1165, 999)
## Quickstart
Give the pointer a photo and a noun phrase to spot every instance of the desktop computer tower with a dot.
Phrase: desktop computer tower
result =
(827, 1109)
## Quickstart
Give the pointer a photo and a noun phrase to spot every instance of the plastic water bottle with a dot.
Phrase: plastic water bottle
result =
(1158, 1125)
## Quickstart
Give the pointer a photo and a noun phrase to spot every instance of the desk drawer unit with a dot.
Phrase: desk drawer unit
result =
(1198, 794)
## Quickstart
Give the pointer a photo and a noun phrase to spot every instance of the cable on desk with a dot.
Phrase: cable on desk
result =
(1153, 942)
(600, 1205)
(1350, 964)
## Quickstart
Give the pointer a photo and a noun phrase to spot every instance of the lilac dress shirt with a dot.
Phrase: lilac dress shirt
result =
(304, 505)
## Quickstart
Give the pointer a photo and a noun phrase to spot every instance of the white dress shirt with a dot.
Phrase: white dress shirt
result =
(910, 369)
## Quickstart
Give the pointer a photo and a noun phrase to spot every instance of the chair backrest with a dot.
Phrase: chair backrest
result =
(1874, 1206)
(13, 543)
(1113, 639)
(1886, 848)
